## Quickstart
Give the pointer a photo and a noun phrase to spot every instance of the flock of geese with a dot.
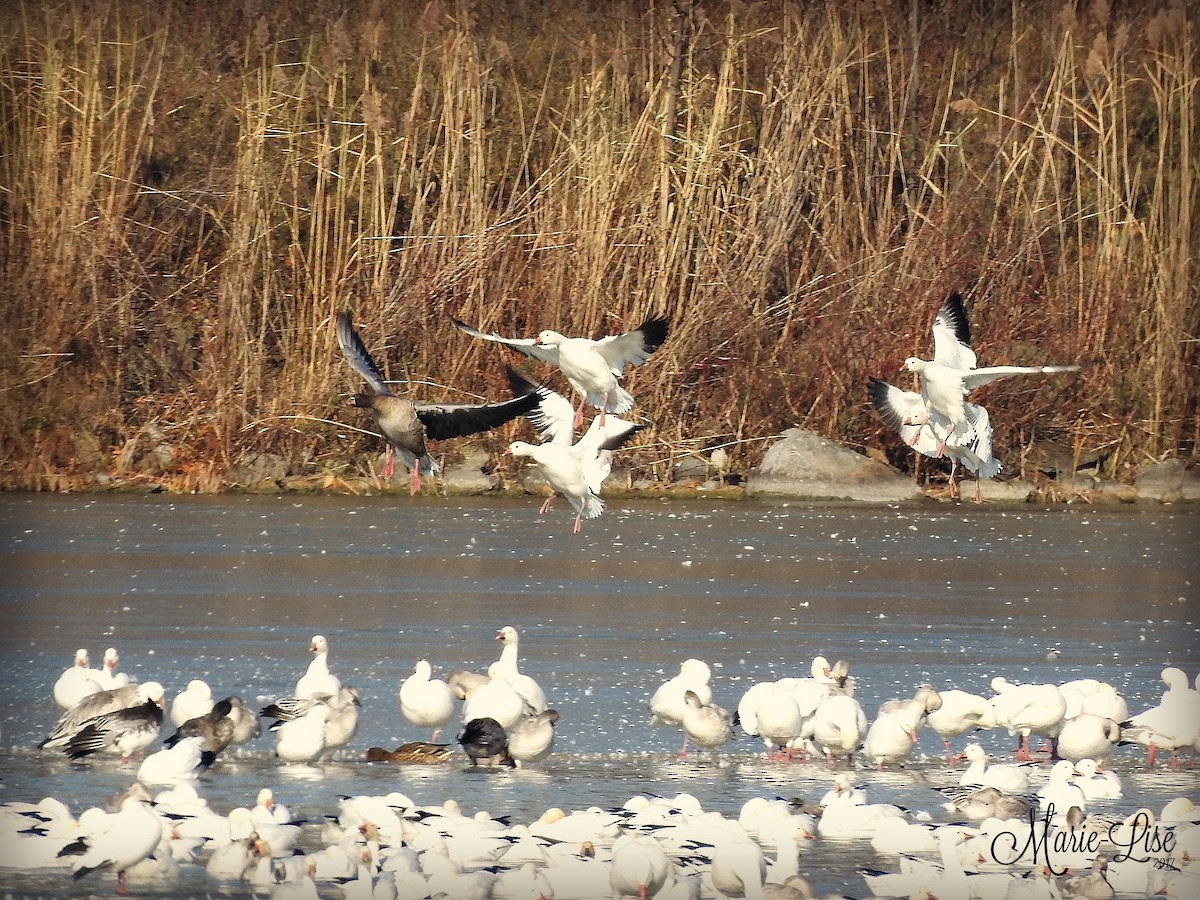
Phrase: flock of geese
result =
(392, 847)
(937, 421)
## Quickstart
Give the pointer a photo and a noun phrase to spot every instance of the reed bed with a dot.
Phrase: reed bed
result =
(191, 192)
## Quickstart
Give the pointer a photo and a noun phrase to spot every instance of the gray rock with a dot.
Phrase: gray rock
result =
(470, 476)
(1161, 481)
(255, 468)
(807, 466)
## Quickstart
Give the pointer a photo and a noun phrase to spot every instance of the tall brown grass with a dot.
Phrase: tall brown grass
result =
(191, 192)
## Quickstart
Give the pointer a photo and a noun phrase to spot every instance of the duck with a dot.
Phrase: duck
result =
(593, 368)
(405, 425)
(412, 753)
(426, 702)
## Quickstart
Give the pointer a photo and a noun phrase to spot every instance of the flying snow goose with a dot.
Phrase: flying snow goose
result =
(76, 681)
(593, 368)
(425, 701)
(973, 451)
(575, 470)
(118, 842)
(193, 701)
(668, 705)
(1026, 709)
(708, 725)
(960, 712)
(100, 703)
(406, 425)
(506, 665)
(317, 679)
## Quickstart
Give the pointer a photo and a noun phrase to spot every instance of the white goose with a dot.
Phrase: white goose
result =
(639, 867)
(959, 713)
(1087, 735)
(317, 679)
(708, 725)
(530, 691)
(425, 701)
(495, 699)
(1026, 709)
(769, 710)
(668, 705)
(76, 682)
(109, 677)
(1010, 779)
(593, 368)
(302, 740)
(838, 726)
(1172, 724)
(194, 700)
(124, 838)
(1096, 785)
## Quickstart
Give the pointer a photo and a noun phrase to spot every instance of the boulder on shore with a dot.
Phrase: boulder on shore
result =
(807, 466)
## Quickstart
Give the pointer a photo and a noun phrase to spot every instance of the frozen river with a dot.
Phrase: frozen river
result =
(231, 590)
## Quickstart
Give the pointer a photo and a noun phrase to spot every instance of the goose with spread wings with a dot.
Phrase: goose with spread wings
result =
(593, 368)
(406, 425)
(952, 374)
(575, 470)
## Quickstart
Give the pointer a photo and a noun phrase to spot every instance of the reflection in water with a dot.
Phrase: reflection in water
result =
(232, 589)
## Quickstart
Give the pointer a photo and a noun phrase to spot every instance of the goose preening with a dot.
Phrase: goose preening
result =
(575, 470)
(132, 725)
(532, 738)
(485, 739)
(406, 425)
(117, 842)
(960, 712)
(708, 725)
(425, 701)
(1026, 709)
(593, 368)
(194, 700)
(215, 729)
(1173, 723)
(339, 723)
(898, 408)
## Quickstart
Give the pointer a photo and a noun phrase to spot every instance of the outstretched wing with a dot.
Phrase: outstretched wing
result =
(554, 417)
(633, 347)
(906, 414)
(443, 420)
(356, 354)
(528, 346)
(952, 335)
(988, 374)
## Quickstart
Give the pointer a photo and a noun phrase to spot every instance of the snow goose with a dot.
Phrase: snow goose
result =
(1104, 701)
(124, 838)
(485, 739)
(123, 731)
(1096, 785)
(575, 470)
(317, 679)
(838, 726)
(959, 713)
(532, 738)
(524, 883)
(639, 867)
(530, 691)
(1060, 791)
(1010, 779)
(891, 737)
(405, 425)
(98, 703)
(973, 450)
(667, 705)
(1026, 709)
(707, 724)
(1087, 735)
(194, 700)
(425, 701)
(769, 710)
(1173, 723)
(952, 374)
(76, 682)
(109, 677)
(984, 803)
(302, 740)
(593, 368)
(575, 873)
(496, 699)
(178, 763)
(739, 867)
(845, 818)
(246, 725)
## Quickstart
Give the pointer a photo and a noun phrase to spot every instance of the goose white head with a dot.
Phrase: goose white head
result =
(520, 448)
(111, 658)
(81, 658)
(152, 691)
(549, 338)
(319, 644)
(914, 364)
(507, 635)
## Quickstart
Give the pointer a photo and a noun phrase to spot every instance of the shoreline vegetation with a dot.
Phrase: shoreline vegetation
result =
(192, 191)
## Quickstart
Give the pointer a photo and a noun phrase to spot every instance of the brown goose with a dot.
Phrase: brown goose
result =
(405, 425)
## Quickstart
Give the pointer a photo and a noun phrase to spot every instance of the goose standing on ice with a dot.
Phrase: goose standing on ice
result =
(530, 691)
(317, 679)
(959, 713)
(76, 681)
(668, 705)
(193, 701)
(1172, 724)
(1026, 709)
(406, 425)
(122, 839)
(532, 738)
(425, 701)
(109, 676)
(708, 725)
(101, 703)
(593, 368)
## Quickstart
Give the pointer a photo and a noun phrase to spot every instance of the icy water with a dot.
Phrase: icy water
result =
(231, 590)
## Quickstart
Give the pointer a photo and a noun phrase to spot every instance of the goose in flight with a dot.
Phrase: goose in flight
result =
(406, 425)
(593, 368)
